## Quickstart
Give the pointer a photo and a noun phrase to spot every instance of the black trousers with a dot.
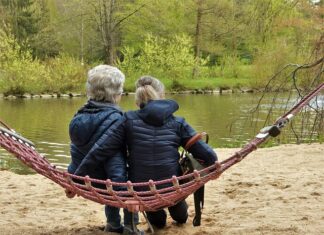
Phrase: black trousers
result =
(178, 212)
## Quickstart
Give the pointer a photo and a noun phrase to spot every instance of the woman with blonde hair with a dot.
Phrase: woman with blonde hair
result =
(152, 135)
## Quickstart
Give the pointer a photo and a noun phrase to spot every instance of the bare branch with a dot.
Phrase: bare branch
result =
(126, 17)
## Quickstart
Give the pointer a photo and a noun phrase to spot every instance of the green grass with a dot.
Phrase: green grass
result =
(209, 83)
(209, 78)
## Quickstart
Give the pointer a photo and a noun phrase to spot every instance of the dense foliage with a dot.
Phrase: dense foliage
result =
(47, 45)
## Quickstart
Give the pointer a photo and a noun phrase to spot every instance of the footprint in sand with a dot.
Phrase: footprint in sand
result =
(208, 219)
(24, 209)
(312, 183)
(12, 186)
(245, 184)
(231, 193)
(280, 185)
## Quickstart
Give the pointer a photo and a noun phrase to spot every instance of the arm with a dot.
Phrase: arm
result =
(109, 144)
(200, 150)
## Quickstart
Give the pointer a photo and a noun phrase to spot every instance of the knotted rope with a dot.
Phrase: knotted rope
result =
(153, 198)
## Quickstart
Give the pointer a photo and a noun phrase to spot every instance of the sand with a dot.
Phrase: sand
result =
(276, 190)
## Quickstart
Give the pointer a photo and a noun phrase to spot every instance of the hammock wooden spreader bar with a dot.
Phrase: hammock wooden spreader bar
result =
(157, 194)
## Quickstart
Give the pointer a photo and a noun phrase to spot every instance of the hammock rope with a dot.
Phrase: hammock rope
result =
(156, 194)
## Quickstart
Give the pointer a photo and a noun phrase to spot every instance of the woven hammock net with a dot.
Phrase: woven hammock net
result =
(153, 198)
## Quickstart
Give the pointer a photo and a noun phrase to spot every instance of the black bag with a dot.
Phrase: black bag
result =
(188, 164)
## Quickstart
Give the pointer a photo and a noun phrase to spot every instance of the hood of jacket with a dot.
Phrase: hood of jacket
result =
(157, 112)
(90, 119)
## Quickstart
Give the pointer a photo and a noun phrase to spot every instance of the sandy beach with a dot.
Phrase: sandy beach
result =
(278, 190)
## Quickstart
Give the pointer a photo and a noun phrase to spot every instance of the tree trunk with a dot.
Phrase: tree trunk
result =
(110, 52)
(109, 32)
(195, 70)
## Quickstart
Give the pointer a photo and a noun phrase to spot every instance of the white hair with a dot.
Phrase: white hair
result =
(105, 83)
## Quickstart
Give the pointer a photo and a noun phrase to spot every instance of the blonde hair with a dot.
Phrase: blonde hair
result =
(148, 88)
(105, 83)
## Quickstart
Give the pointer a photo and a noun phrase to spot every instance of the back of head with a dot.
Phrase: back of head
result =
(148, 88)
(105, 83)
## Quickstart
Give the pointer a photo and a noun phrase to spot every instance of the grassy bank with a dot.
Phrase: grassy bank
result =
(186, 84)
(208, 78)
(66, 75)
(207, 83)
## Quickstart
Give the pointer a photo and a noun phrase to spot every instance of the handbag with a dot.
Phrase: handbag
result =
(188, 164)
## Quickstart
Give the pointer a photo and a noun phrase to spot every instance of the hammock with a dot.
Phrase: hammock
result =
(153, 198)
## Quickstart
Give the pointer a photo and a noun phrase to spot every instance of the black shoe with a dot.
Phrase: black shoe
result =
(129, 231)
(111, 229)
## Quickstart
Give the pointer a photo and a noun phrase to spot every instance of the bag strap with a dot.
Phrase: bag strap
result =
(195, 139)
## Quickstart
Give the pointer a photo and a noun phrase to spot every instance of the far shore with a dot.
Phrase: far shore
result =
(72, 94)
(274, 191)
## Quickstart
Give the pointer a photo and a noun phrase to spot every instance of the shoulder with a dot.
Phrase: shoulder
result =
(175, 122)
(113, 109)
(131, 115)
(112, 113)
(179, 120)
(115, 115)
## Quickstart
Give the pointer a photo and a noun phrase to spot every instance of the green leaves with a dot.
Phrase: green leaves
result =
(161, 56)
(20, 73)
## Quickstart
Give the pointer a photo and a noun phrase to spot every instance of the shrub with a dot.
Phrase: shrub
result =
(160, 56)
(177, 86)
(67, 74)
(20, 73)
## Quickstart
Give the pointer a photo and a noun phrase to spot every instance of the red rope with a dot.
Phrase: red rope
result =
(149, 200)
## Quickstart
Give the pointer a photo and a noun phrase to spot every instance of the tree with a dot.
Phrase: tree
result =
(108, 17)
(44, 43)
(29, 21)
(21, 18)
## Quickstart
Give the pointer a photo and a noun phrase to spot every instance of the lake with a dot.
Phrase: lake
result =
(226, 118)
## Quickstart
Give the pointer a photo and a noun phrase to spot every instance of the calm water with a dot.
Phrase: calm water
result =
(45, 122)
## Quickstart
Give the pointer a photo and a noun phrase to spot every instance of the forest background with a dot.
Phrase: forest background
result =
(47, 46)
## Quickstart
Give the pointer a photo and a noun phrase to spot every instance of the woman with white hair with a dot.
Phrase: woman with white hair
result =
(153, 136)
(104, 88)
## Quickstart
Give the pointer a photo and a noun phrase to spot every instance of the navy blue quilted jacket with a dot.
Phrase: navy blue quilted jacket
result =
(86, 127)
(153, 136)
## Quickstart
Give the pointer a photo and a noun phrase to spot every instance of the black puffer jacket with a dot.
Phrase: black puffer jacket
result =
(86, 127)
(153, 136)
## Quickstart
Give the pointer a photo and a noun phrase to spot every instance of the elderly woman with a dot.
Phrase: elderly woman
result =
(153, 135)
(104, 88)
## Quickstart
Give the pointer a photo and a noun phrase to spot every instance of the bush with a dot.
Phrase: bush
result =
(161, 57)
(67, 74)
(269, 62)
(20, 73)
(177, 86)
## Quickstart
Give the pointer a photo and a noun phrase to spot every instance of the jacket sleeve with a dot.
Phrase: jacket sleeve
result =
(200, 150)
(110, 143)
